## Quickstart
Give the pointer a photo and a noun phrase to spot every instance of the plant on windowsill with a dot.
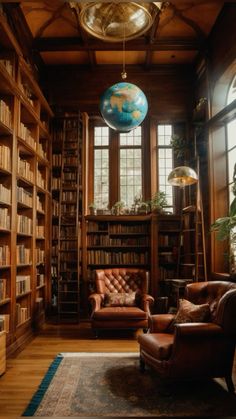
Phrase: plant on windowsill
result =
(92, 208)
(158, 202)
(225, 227)
(118, 207)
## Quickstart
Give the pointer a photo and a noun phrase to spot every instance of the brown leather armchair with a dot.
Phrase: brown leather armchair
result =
(195, 350)
(121, 300)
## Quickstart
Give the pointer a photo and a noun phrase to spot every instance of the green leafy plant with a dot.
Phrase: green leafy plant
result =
(225, 227)
(179, 145)
(158, 201)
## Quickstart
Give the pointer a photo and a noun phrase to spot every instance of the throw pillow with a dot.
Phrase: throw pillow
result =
(115, 299)
(189, 313)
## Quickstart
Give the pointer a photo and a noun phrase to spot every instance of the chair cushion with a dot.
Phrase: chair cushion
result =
(116, 299)
(158, 345)
(189, 312)
(120, 313)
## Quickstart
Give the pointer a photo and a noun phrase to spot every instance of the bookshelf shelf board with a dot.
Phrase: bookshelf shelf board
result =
(24, 180)
(4, 171)
(23, 265)
(43, 161)
(23, 323)
(5, 230)
(130, 234)
(40, 238)
(25, 147)
(97, 232)
(118, 218)
(119, 247)
(117, 265)
(4, 129)
(3, 267)
(6, 204)
(23, 206)
(24, 294)
(39, 287)
(23, 234)
(5, 301)
(40, 212)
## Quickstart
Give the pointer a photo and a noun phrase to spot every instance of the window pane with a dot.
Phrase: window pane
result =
(131, 138)
(101, 136)
(165, 161)
(130, 171)
(101, 176)
(231, 132)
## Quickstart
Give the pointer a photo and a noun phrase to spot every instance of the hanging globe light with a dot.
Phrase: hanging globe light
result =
(123, 106)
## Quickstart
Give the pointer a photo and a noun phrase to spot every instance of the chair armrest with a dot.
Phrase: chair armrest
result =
(160, 322)
(198, 329)
(146, 301)
(96, 301)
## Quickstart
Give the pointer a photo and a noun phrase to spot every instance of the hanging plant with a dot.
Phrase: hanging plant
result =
(179, 145)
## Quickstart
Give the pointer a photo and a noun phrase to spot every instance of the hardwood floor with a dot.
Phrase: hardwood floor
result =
(26, 370)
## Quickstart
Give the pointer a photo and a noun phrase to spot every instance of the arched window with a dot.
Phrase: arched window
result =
(230, 140)
(232, 91)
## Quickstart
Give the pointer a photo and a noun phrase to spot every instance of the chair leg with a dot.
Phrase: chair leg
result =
(141, 364)
(95, 332)
(229, 383)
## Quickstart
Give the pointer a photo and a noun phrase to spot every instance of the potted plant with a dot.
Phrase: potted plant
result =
(117, 207)
(225, 228)
(158, 201)
(93, 208)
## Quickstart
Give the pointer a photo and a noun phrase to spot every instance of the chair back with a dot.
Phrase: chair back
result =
(221, 297)
(121, 280)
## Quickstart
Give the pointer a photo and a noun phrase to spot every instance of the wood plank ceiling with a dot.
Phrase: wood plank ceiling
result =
(51, 29)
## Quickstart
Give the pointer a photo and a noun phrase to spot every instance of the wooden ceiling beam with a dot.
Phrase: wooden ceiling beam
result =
(75, 44)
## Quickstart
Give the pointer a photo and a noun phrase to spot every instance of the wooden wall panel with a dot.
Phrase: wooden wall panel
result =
(169, 93)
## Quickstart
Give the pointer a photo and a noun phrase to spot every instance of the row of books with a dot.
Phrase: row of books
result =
(23, 254)
(22, 284)
(27, 92)
(56, 183)
(8, 65)
(56, 159)
(105, 240)
(41, 182)
(22, 314)
(128, 228)
(69, 195)
(168, 239)
(26, 135)
(40, 204)
(5, 256)
(40, 280)
(100, 257)
(24, 169)
(41, 151)
(40, 255)
(3, 289)
(5, 194)
(5, 322)
(55, 207)
(5, 220)
(71, 161)
(5, 157)
(40, 231)
(5, 114)
(69, 245)
(24, 196)
(24, 224)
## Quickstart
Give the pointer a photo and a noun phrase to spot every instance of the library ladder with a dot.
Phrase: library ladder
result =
(69, 231)
(192, 254)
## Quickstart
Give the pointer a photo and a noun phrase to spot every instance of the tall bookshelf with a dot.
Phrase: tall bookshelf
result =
(69, 143)
(25, 153)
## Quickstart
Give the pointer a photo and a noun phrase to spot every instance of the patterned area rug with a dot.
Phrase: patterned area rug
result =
(109, 384)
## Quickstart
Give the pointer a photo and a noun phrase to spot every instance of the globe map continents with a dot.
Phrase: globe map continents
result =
(123, 106)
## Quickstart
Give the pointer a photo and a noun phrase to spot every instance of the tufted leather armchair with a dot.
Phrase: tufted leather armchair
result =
(195, 350)
(120, 283)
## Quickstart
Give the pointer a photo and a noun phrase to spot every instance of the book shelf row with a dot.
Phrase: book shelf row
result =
(25, 159)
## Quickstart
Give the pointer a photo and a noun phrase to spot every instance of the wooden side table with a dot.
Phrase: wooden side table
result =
(2, 352)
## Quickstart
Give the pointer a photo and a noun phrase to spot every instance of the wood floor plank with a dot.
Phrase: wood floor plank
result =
(26, 370)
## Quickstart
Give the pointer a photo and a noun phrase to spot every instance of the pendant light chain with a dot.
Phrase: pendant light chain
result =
(123, 74)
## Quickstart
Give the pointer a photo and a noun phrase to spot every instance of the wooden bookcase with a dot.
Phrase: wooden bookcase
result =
(114, 241)
(25, 155)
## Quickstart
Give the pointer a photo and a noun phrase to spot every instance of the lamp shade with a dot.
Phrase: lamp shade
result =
(182, 176)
